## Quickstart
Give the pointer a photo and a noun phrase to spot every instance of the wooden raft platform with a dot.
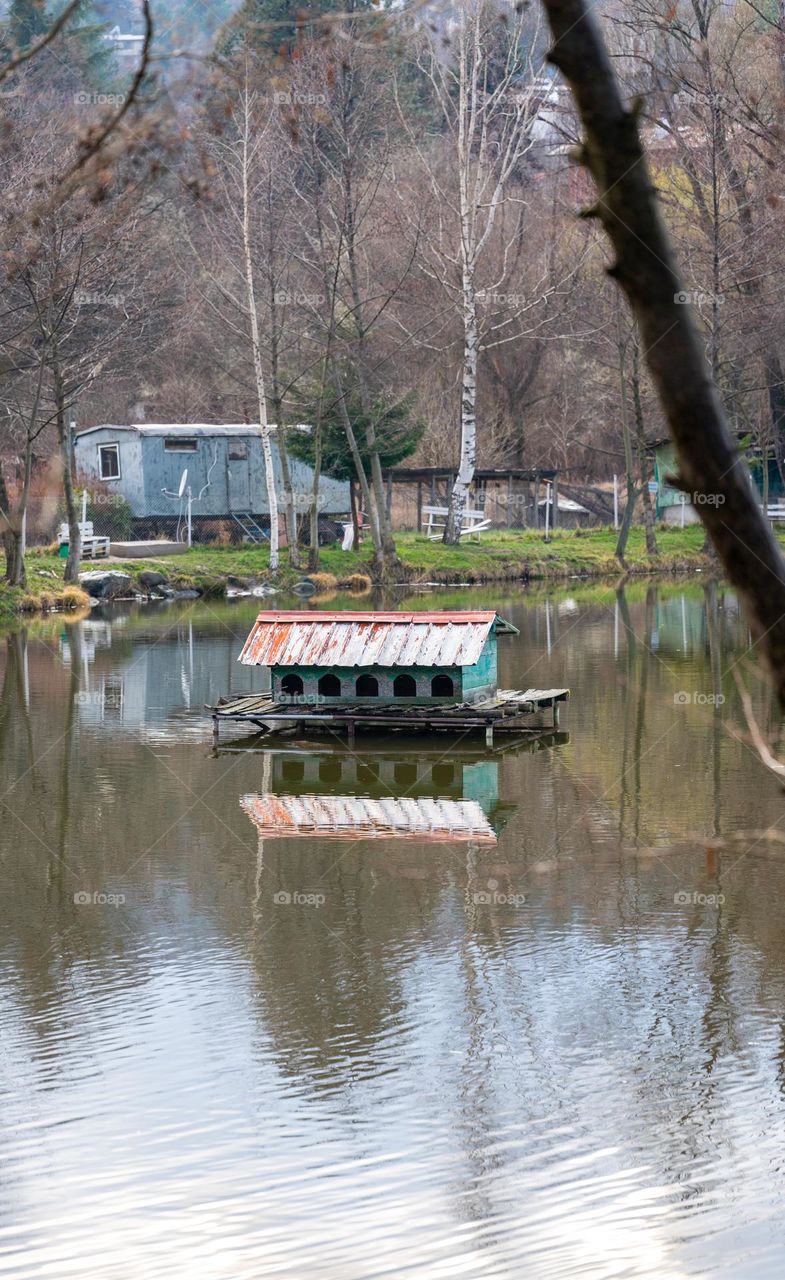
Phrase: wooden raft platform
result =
(510, 710)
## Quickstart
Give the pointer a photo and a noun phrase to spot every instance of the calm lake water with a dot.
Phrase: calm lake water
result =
(522, 1015)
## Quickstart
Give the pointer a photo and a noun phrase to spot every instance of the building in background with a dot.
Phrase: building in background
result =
(144, 464)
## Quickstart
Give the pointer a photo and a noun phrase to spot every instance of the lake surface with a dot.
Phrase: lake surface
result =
(460, 1015)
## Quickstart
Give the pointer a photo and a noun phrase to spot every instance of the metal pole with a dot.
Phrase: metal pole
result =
(547, 510)
(615, 501)
(189, 515)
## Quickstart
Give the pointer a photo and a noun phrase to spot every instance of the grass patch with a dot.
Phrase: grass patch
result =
(511, 556)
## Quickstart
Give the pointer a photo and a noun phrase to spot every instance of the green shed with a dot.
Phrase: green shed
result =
(366, 658)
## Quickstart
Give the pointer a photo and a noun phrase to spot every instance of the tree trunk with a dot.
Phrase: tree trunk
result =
(380, 566)
(355, 516)
(643, 461)
(264, 426)
(468, 456)
(388, 559)
(772, 366)
(711, 469)
(632, 492)
(8, 530)
(626, 520)
(66, 454)
(313, 541)
(290, 514)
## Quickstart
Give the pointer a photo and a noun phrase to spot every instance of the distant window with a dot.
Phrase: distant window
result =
(405, 687)
(238, 450)
(292, 685)
(442, 687)
(109, 461)
(329, 687)
(367, 687)
(180, 444)
(293, 770)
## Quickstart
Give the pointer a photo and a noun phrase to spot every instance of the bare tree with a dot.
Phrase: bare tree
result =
(485, 88)
(710, 466)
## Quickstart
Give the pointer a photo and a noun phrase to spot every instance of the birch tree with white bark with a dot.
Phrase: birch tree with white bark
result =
(226, 239)
(483, 77)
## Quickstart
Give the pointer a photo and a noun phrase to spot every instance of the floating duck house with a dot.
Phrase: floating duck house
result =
(396, 672)
(341, 658)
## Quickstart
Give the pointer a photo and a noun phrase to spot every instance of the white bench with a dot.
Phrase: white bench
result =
(94, 546)
(473, 524)
(776, 512)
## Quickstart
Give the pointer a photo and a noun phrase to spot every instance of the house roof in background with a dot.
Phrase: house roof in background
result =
(309, 639)
(188, 429)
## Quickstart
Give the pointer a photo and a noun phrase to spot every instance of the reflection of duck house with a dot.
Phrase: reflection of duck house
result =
(343, 797)
(427, 818)
(398, 670)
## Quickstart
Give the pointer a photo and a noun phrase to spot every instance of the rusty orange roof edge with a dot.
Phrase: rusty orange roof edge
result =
(306, 638)
(324, 615)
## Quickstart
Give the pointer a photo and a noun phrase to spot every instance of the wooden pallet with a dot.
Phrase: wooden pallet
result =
(509, 709)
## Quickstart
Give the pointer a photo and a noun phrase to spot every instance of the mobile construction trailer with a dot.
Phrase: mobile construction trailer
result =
(225, 466)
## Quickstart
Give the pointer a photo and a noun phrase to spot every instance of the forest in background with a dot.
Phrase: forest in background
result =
(359, 218)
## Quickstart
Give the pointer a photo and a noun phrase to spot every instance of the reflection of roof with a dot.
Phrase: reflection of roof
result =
(293, 639)
(353, 817)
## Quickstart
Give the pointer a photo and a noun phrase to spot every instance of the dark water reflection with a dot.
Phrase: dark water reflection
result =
(518, 1015)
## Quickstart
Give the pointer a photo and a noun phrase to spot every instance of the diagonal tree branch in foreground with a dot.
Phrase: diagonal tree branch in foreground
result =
(710, 467)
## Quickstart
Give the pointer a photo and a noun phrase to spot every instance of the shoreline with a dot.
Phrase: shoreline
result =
(503, 558)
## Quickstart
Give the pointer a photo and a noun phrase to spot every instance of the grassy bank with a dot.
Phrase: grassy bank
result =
(501, 556)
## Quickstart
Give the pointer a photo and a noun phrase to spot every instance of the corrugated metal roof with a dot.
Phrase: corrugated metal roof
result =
(189, 428)
(363, 817)
(307, 639)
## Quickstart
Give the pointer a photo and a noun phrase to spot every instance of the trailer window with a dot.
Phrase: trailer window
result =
(109, 461)
(238, 450)
(180, 444)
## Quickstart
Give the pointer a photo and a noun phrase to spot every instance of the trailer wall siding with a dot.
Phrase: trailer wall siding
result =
(130, 484)
(227, 485)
